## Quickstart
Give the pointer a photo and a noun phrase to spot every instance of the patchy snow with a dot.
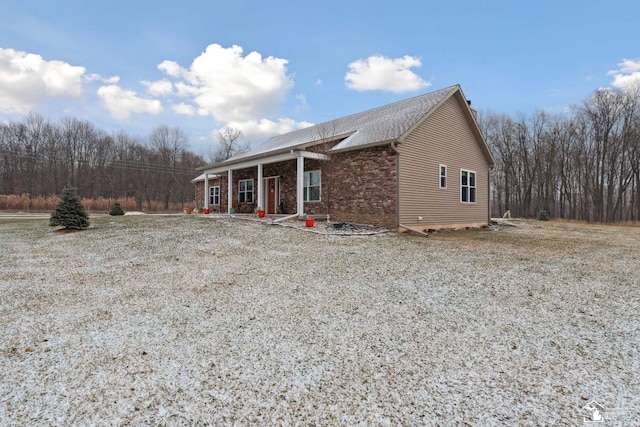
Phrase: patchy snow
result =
(179, 320)
(134, 213)
(319, 226)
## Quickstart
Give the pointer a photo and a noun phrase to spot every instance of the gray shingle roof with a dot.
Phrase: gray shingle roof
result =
(386, 123)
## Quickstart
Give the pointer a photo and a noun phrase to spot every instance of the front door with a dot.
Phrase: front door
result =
(271, 188)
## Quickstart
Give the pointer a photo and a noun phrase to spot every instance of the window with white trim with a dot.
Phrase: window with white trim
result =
(443, 176)
(245, 191)
(214, 195)
(467, 186)
(311, 190)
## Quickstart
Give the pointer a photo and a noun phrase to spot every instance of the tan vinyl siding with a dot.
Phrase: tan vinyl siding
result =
(446, 137)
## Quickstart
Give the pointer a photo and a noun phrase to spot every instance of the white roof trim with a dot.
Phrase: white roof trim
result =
(254, 162)
(292, 154)
(201, 178)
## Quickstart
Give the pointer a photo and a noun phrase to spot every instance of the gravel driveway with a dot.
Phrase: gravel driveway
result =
(189, 320)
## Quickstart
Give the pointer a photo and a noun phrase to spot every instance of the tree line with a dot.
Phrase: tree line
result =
(583, 165)
(39, 157)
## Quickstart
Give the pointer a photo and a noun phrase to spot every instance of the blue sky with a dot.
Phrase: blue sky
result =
(271, 67)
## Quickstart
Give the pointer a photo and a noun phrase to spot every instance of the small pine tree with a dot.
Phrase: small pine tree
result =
(116, 210)
(543, 215)
(69, 212)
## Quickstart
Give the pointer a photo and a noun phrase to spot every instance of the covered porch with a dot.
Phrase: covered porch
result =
(287, 183)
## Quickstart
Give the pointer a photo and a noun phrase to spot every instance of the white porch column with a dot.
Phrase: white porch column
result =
(300, 185)
(229, 190)
(260, 189)
(206, 190)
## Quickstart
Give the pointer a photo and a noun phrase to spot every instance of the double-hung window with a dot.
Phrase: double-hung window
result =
(245, 191)
(443, 176)
(312, 186)
(214, 195)
(467, 186)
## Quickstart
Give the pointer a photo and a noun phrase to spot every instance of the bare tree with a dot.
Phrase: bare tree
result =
(37, 157)
(169, 145)
(327, 134)
(229, 145)
(581, 166)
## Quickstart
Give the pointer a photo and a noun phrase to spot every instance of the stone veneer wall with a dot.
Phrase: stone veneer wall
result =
(287, 172)
(363, 187)
(357, 186)
(199, 194)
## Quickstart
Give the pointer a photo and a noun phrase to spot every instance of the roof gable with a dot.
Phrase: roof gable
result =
(470, 118)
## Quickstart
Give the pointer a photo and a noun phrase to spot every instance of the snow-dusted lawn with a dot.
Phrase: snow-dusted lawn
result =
(189, 320)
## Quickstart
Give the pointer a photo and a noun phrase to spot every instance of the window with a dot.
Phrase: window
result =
(467, 186)
(443, 176)
(312, 186)
(214, 196)
(245, 191)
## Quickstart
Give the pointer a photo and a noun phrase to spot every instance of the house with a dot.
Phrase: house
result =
(417, 164)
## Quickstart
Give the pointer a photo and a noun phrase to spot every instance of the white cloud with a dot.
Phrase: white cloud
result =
(171, 68)
(228, 86)
(92, 77)
(303, 104)
(386, 74)
(184, 109)
(27, 79)
(111, 80)
(259, 130)
(627, 76)
(184, 90)
(122, 103)
(97, 77)
(159, 87)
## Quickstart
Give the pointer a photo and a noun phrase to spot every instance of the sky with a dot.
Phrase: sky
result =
(270, 67)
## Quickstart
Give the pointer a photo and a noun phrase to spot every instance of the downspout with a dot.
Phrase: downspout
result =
(229, 191)
(489, 195)
(394, 147)
(413, 230)
(295, 215)
(300, 185)
(206, 190)
(260, 188)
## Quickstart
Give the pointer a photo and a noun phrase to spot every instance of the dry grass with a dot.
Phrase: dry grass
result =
(26, 203)
(195, 320)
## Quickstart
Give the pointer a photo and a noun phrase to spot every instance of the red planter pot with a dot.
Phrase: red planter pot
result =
(260, 214)
(206, 211)
(310, 222)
